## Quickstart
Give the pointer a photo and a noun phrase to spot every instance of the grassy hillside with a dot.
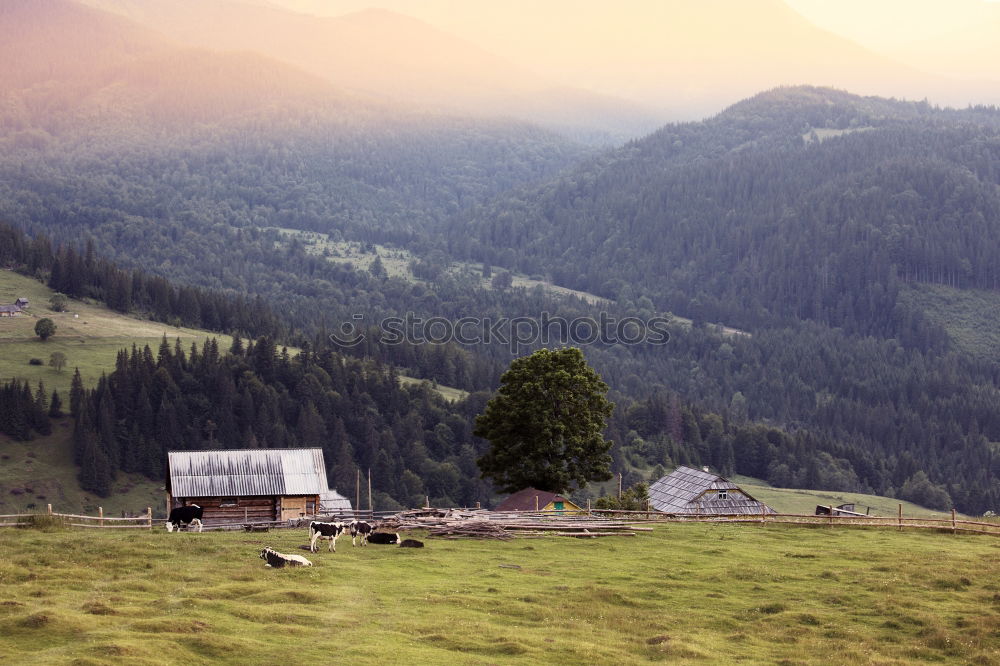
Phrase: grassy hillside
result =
(796, 500)
(970, 316)
(681, 594)
(40, 472)
(89, 335)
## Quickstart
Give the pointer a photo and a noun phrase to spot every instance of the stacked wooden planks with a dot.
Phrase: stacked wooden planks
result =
(482, 524)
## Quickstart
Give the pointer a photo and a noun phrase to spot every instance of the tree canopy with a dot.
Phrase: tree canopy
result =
(545, 424)
(45, 328)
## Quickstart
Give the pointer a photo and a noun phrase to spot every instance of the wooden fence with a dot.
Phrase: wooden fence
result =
(898, 522)
(953, 524)
(75, 520)
(146, 521)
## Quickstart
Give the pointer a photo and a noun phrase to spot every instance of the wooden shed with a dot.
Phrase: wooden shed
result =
(247, 485)
(700, 492)
(532, 499)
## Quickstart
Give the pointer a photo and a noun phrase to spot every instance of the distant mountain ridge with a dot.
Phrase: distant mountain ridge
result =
(394, 57)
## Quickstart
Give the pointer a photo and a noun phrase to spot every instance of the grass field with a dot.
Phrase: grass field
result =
(695, 593)
(89, 335)
(40, 472)
(397, 263)
(791, 500)
(971, 317)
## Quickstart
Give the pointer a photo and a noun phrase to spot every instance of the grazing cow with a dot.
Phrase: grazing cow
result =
(360, 528)
(319, 530)
(383, 538)
(278, 560)
(411, 543)
(186, 516)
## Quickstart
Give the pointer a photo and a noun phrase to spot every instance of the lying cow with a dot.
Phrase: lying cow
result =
(383, 538)
(411, 543)
(278, 560)
(320, 530)
(360, 528)
(186, 516)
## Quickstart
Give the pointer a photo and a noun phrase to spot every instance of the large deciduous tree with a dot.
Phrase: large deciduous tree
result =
(545, 424)
(45, 328)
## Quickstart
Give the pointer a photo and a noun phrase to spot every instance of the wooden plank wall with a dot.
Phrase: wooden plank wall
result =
(247, 509)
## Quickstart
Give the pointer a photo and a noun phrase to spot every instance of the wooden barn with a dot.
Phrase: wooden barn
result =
(248, 485)
(700, 492)
(532, 499)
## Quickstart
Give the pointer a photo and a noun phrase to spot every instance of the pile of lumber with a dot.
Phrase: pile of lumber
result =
(482, 524)
(472, 529)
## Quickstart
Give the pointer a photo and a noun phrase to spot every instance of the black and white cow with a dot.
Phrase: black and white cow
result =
(360, 528)
(320, 530)
(186, 516)
(278, 560)
(383, 538)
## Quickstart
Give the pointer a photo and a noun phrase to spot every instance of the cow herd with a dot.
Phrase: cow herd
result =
(190, 517)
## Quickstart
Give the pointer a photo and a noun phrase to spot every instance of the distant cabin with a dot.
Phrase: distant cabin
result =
(532, 499)
(699, 492)
(10, 311)
(250, 485)
(22, 303)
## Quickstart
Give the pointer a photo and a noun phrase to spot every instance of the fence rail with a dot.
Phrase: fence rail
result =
(954, 524)
(899, 522)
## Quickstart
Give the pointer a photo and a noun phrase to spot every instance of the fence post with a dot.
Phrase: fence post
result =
(954, 529)
(50, 509)
(900, 517)
(149, 516)
(100, 516)
(589, 512)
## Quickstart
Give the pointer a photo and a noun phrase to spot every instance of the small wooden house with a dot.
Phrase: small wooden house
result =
(10, 311)
(700, 492)
(532, 499)
(22, 303)
(248, 485)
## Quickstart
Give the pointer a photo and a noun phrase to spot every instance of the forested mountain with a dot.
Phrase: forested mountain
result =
(797, 204)
(800, 216)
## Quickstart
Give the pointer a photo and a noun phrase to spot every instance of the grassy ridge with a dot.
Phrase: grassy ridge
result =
(682, 594)
(797, 500)
(40, 472)
(971, 317)
(89, 335)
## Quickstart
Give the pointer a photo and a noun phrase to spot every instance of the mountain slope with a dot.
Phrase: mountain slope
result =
(392, 56)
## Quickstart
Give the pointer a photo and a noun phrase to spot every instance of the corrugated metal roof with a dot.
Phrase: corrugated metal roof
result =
(333, 502)
(687, 490)
(247, 472)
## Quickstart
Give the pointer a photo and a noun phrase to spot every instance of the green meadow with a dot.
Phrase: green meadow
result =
(684, 593)
(90, 335)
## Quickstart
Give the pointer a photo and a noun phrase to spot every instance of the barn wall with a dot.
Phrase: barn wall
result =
(296, 507)
(254, 509)
(569, 509)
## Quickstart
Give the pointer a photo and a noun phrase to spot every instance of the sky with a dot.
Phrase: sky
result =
(947, 51)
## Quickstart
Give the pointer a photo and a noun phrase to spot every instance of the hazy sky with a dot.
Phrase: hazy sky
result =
(719, 51)
(954, 37)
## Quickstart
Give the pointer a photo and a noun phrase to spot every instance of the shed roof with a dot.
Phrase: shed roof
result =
(524, 500)
(10, 308)
(330, 501)
(683, 491)
(246, 472)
